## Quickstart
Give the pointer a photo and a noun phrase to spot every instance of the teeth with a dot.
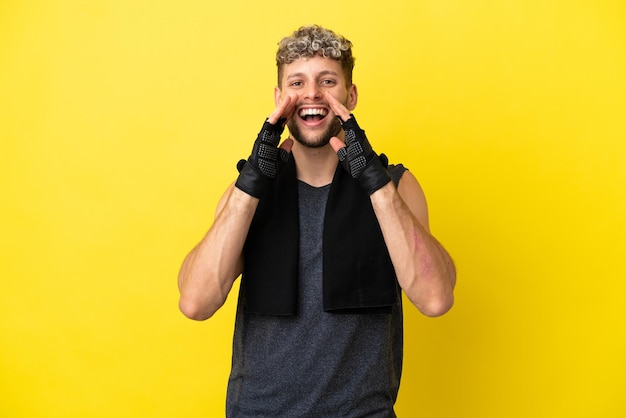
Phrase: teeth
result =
(313, 112)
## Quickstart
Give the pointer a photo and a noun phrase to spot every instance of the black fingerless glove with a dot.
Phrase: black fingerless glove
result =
(358, 158)
(265, 161)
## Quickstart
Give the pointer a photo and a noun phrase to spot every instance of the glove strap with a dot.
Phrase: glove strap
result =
(374, 175)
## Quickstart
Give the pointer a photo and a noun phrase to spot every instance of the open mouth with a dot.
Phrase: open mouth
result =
(313, 114)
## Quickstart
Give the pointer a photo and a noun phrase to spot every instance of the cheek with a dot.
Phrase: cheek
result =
(294, 96)
(281, 94)
(341, 97)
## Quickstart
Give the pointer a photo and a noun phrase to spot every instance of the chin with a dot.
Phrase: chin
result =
(314, 140)
(311, 142)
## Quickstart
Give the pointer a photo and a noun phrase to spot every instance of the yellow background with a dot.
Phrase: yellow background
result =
(120, 125)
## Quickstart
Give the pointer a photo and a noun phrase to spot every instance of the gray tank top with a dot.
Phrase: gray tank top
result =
(314, 363)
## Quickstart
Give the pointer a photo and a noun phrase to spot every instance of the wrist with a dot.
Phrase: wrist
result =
(374, 176)
(251, 181)
(241, 197)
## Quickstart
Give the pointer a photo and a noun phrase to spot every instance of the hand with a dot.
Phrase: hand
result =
(267, 158)
(356, 155)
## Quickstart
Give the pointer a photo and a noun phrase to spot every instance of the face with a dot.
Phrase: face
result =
(310, 79)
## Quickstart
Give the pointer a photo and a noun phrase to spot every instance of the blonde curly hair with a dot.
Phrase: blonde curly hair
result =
(312, 40)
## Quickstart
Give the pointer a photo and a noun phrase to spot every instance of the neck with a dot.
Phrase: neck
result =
(315, 166)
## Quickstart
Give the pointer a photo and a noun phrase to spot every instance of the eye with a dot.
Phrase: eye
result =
(328, 82)
(296, 84)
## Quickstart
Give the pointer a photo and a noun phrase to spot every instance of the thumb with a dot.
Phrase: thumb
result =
(287, 145)
(336, 143)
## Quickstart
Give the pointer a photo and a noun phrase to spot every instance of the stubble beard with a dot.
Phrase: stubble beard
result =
(315, 141)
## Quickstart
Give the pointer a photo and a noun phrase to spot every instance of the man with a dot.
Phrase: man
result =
(326, 236)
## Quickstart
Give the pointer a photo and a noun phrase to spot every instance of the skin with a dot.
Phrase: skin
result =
(424, 269)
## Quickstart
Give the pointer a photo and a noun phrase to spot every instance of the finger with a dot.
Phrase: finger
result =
(287, 144)
(336, 143)
(337, 107)
(291, 107)
(282, 109)
(277, 113)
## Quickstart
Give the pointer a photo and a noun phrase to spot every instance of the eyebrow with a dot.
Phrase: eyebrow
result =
(322, 73)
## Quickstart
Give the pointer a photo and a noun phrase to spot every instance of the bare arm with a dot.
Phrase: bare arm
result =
(209, 271)
(424, 269)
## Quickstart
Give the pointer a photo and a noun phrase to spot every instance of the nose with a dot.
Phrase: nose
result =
(312, 92)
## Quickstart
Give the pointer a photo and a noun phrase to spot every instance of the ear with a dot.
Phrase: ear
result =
(277, 94)
(353, 96)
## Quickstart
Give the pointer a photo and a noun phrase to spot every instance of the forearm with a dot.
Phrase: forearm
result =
(210, 269)
(424, 269)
